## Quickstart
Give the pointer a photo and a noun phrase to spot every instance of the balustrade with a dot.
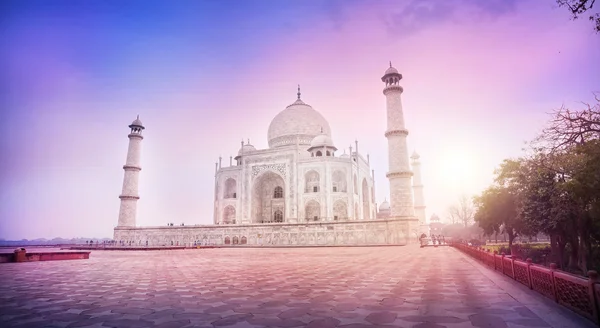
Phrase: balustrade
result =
(580, 294)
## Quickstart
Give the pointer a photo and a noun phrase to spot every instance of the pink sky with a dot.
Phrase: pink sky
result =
(476, 87)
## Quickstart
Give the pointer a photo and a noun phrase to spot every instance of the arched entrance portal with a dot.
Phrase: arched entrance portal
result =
(268, 198)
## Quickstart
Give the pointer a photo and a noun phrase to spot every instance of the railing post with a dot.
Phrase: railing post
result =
(553, 267)
(512, 265)
(495, 253)
(593, 275)
(502, 263)
(529, 262)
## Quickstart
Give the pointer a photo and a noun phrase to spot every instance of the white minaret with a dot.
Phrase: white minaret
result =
(399, 175)
(129, 195)
(418, 189)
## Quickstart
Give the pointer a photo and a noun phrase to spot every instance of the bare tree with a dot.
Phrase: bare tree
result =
(578, 7)
(453, 213)
(463, 211)
(569, 128)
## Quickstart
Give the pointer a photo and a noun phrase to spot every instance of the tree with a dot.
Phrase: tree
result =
(497, 212)
(570, 147)
(569, 128)
(578, 7)
(497, 207)
(462, 212)
(543, 206)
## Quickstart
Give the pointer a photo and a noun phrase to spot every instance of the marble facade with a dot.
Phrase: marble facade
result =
(298, 192)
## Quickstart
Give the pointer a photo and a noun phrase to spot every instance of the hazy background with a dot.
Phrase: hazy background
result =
(479, 77)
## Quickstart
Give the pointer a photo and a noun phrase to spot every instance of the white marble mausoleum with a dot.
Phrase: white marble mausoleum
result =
(302, 190)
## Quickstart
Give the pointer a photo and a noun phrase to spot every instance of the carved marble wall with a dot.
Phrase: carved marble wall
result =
(372, 232)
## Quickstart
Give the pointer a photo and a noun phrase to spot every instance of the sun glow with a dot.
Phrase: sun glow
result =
(459, 169)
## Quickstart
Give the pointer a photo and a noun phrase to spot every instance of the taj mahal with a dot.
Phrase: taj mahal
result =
(301, 191)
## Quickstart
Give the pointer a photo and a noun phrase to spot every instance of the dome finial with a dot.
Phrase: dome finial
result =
(248, 140)
(390, 63)
(298, 92)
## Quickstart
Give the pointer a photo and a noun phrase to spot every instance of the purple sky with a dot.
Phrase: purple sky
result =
(479, 77)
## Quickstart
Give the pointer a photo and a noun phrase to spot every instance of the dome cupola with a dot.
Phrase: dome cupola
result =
(321, 145)
(385, 206)
(244, 150)
(384, 210)
(298, 122)
(392, 78)
(136, 126)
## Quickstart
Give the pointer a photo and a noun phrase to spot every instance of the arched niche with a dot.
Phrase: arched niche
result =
(230, 188)
(312, 181)
(340, 210)
(312, 211)
(264, 203)
(338, 180)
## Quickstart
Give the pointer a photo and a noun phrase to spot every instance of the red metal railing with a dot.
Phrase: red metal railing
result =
(579, 294)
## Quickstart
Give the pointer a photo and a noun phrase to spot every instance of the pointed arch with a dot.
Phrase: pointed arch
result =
(230, 188)
(356, 213)
(339, 181)
(278, 192)
(312, 181)
(340, 210)
(263, 199)
(355, 185)
(312, 211)
(278, 216)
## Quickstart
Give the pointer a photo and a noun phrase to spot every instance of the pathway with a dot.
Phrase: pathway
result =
(314, 287)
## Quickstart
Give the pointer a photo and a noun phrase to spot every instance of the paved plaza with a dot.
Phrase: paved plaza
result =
(277, 287)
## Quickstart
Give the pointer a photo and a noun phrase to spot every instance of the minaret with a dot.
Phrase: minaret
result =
(418, 189)
(129, 195)
(399, 175)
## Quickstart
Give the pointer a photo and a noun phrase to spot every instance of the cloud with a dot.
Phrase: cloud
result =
(417, 15)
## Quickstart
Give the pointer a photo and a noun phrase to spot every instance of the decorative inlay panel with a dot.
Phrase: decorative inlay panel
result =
(280, 168)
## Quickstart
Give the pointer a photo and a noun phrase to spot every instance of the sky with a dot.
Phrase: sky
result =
(479, 79)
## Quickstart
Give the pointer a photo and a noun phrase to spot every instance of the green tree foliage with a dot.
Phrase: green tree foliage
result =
(497, 206)
(556, 190)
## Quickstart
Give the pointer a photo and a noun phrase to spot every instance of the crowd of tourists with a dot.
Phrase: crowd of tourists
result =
(435, 239)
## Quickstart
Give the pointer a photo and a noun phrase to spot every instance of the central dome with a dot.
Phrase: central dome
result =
(298, 121)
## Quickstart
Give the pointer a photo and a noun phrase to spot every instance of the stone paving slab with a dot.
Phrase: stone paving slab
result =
(301, 287)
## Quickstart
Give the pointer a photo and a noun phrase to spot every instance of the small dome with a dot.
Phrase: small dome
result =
(137, 122)
(385, 206)
(391, 70)
(245, 149)
(322, 140)
(344, 155)
(415, 156)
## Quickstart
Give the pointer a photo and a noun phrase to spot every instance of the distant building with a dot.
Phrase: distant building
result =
(384, 210)
(435, 226)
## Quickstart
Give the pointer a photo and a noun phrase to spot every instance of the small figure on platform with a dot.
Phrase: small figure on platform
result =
(433, 239)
